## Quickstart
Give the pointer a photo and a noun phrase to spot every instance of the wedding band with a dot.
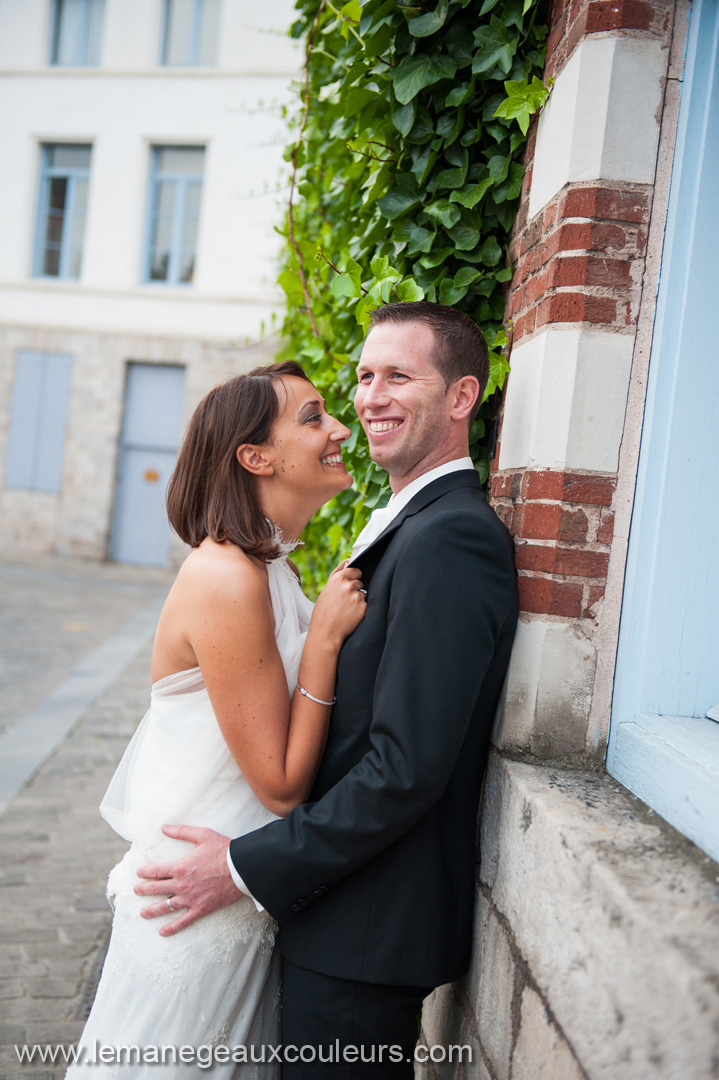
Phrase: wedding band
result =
(363, 591)
(169, 903)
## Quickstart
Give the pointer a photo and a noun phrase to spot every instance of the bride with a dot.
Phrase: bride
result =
(243, 674)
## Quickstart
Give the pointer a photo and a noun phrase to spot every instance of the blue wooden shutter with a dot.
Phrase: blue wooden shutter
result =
(36, 442)
(24, 421)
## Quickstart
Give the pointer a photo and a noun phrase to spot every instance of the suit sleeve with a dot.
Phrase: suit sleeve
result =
(452, 593)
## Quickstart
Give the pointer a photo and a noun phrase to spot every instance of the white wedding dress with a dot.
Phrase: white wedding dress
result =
(215, 983)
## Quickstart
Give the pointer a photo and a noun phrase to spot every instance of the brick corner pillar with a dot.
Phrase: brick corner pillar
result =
(578, 249)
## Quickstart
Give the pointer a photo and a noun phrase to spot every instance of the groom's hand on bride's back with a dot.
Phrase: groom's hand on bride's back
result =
(196, 885)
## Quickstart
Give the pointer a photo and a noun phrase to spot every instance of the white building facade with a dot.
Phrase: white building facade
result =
(144, 178)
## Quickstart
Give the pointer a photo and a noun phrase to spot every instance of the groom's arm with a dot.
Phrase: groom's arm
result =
(453, 593)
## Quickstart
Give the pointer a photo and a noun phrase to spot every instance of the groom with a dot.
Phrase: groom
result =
(372, 880)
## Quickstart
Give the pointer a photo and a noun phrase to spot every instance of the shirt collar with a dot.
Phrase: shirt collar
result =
(400, 500)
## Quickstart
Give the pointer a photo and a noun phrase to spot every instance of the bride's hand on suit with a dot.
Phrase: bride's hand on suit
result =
(341, 606)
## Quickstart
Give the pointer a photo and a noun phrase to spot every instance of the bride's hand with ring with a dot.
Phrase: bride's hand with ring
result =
(342, 604)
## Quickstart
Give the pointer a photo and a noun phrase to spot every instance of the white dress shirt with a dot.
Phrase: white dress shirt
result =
(376, 525)
(380, 519)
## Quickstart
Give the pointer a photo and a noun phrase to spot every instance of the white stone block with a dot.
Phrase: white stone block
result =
(541, 1053)
(548, 692)
(615, 915)
(601, 121)
(438, 1014)
(565, 400)
(494, 993)
(445, 1041)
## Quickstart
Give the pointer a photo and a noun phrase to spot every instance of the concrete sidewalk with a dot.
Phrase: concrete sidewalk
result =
(75, 650)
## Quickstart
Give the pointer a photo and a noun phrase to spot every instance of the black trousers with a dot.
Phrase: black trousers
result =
(338, 1029)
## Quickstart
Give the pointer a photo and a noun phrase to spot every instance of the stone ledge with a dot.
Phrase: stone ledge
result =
(616, 915)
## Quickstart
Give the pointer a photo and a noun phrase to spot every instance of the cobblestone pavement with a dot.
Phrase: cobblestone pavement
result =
(55, 850)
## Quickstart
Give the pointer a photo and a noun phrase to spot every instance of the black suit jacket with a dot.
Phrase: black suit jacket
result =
(373, 879)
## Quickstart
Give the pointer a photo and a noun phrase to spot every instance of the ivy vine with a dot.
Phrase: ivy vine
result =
(405, 182)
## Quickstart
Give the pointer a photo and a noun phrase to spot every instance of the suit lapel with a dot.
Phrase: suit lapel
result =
(428, 494)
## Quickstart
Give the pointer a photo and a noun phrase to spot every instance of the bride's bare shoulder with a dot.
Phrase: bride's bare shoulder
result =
(221, 573)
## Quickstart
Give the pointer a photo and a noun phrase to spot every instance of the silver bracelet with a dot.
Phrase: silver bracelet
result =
(306, 693)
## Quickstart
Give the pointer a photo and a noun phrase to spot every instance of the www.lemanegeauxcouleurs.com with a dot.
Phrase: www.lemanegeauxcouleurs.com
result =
(205, 1056)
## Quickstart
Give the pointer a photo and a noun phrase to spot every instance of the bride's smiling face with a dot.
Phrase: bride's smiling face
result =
(305, 449)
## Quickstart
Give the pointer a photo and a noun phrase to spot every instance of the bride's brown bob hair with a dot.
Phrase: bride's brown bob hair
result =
(210, 493)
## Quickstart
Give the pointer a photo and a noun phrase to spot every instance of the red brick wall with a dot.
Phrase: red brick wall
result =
(562, 523)
(580, 261)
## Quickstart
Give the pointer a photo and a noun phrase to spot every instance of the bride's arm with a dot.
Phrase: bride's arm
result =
(277, 743)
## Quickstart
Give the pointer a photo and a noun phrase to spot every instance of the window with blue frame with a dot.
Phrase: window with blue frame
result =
(76, 32)
(63, 203)
(664, 733)
(190, 32)
(175, 190)
(38, 418)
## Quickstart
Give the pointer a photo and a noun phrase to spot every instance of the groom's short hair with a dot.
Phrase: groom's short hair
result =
(460, 348)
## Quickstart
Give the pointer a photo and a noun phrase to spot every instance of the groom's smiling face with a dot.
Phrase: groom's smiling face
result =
(402, 401)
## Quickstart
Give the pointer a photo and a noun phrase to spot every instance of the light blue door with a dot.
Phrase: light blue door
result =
(154, 406)
(664, 736)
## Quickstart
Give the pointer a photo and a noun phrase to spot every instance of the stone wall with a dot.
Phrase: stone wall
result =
(76, 521)
(596, 947)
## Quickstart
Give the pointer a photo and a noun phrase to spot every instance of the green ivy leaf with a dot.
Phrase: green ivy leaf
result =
(471, 195)
(358, 98)
(403, 118)
(491, 252)
(495, 47)
(454, 178)
(505, 274)
(382, 270)
(512, 187)
(466, 276)
(363, 309)
(354, 270)
(399, 201)
(522, 101)
(437, 257)
(313, 352)
(343, 285)
(424, 165)
(498, 368)
(444, 212)
(449, 293)
(476, 430)
(421, 239)
(414, 73)
(465, 235)
(424, 25)
(459, 95)
(498, 167)
(289, 281)
(409, 290)
(447, 125)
